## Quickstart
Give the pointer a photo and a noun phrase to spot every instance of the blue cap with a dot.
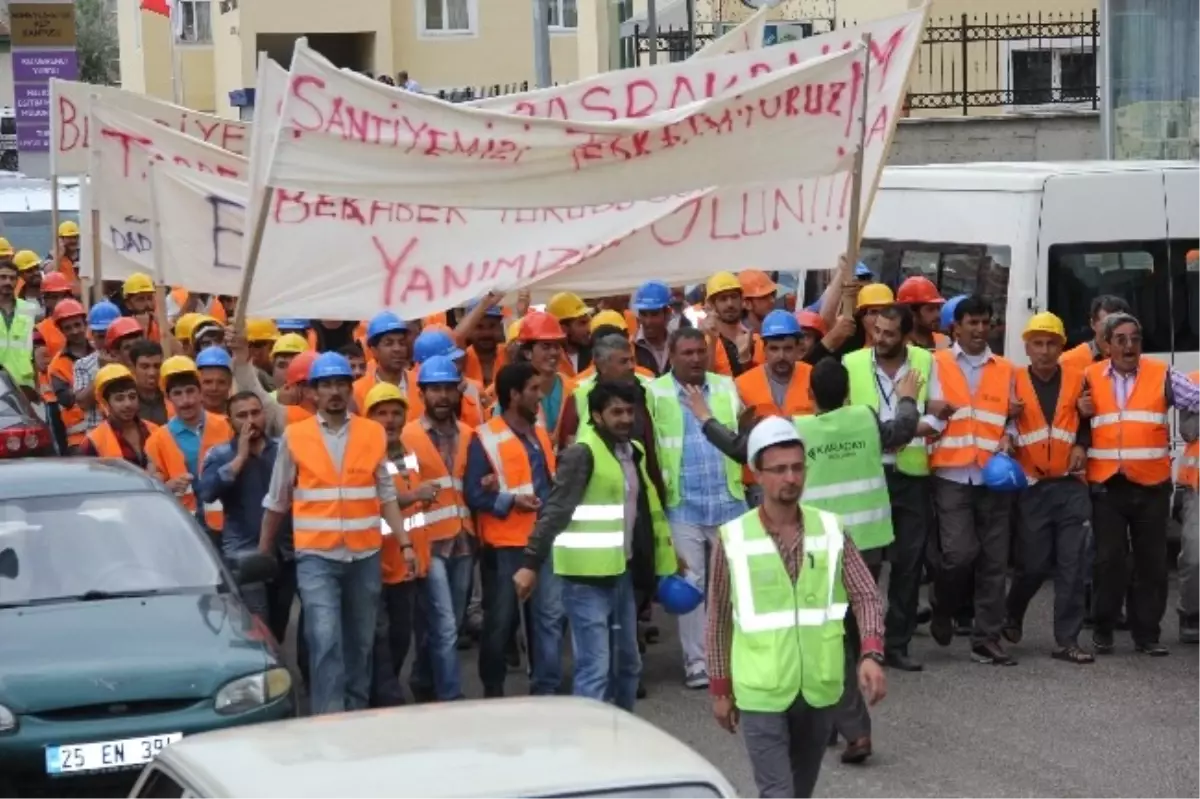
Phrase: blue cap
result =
(678, 595)
(779, 323)
(947, 317)
(438, 369)
(653, 295)
(383, 323)
(1002, 473)
(494, 311)
(214, 358)
(102, 315)
(863, 272)
(292, 325)
(329, 365)
(435, 342)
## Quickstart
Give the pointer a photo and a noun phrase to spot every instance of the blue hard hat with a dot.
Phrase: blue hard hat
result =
(438, 369)
(435, 342)
(779, 323)
(214, 358)
(863, 272)
(329, 365)
(653, 295)
(678, 595)
(494, 311)
(947, 318)
(384, 322)
(292, 325)
(102, 315)
(1002, 473)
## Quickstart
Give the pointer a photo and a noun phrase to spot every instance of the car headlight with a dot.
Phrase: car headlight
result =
(255, 690)
(8, 720)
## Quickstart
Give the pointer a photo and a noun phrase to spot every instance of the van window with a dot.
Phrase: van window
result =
(1152, 276)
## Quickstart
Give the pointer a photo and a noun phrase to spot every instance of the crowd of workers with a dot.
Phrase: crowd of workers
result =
(530, 474)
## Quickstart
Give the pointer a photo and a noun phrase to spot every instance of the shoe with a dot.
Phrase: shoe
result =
(641, 691)
(900, 660)
(942, 629)
(857, 751)
(1012, 631)
(1103, 642)
(1189, 629)
(990, 652)
(924, 614)
(1073, 654)
(1152, 648)
(963, 626)
(696, 678)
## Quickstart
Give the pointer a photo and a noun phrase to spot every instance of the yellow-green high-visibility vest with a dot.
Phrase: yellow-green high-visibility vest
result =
(787, 637)
(667, 410)
(864, 390)
(16, 343)
(593, 544)
(844, 472)
(583, 390)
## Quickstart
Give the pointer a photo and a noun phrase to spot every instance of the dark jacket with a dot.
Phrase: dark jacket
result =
(575, 465)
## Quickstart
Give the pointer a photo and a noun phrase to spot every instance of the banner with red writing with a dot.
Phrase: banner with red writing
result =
(746, 36)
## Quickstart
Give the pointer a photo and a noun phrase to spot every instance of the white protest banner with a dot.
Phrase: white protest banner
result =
(417, 259)
(348, 135)
(201, 219)
(270, 87)
(70, 109)
(747, 36)
(122, 144)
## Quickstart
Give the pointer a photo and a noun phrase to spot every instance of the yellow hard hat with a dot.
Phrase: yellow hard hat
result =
(68, 228)
(875, 295)
(383, 392)
(514, 330)
(1045, 322)
(176, 365)
(261, 330)
(289, 344)
(186, 324)
(6, 249)
(108, 374)
(722, 281)
(611, 319)
(26, 259)
(565, 305)
(137, 283)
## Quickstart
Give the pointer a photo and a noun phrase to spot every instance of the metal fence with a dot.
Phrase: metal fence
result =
(465, 94)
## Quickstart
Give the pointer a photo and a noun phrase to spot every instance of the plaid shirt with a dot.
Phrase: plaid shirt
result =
(704, 498)
(85, 374)
(865, 603)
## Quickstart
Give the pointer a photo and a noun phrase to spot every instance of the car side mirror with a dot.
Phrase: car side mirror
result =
(254, 567)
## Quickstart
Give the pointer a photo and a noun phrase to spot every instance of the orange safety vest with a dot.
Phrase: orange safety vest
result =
(974, 431)
(295, 413)
(1077, 358)
(470, 409)
(473, 367)
(106, 443)
(941, 341)
(565, 366)
(1043, 448)
(721, 363)
(168, 460)
(514, 475)
(67, 267)
(1136, 441)
(331, 509)
(755, 390)
(448, 515)
(1189, 465)
(74, 420)
(54, 338)
(391, 556)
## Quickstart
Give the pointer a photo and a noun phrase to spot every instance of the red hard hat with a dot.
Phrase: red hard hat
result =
(297, 371)
(540, 326)
(119, 329)
(812, 320)
(55, 283)
(65, 309)
(918, 291)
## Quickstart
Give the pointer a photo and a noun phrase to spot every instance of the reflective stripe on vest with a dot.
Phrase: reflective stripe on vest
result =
(667, 411)
(513, 470)
(1134, 440)
(913, 458)
(974, 430)
(336, 507)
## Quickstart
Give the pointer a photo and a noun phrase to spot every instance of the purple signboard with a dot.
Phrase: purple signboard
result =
(32, 66)
(32, 70)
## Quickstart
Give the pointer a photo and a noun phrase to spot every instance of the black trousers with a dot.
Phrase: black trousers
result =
(851, 715)
(1127, 517)
(393, 639)
(911, 516)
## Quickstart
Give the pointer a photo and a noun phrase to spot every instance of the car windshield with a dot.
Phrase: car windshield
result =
(94, 546)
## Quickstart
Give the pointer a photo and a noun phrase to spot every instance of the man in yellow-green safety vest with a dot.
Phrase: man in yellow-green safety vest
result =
(781, 582)
(604, 527)
(17, 321)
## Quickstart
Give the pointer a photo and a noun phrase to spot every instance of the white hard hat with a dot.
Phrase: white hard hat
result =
(769, 432)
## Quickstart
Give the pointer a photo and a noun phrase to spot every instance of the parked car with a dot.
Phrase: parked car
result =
(526, 746)
(121, 630)
(23, 432)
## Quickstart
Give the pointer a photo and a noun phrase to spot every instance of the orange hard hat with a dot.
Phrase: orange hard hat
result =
(67, 308)
(756, 283)
(918, 290)
(119, 329)
(812, 320)
(55, 283)
(297, 371)
(540, 326)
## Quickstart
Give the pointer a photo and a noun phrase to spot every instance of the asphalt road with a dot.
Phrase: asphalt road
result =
(1125, 726)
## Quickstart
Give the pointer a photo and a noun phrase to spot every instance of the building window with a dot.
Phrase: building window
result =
(195, 24)
(1059, 75)
(447, 16)
(563, 14)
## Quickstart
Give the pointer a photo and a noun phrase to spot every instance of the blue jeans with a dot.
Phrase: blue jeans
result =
(604, 639)
(441, 605)
(544, 614)
(341, 601)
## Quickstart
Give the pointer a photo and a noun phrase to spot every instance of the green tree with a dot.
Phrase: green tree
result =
(97, 42)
